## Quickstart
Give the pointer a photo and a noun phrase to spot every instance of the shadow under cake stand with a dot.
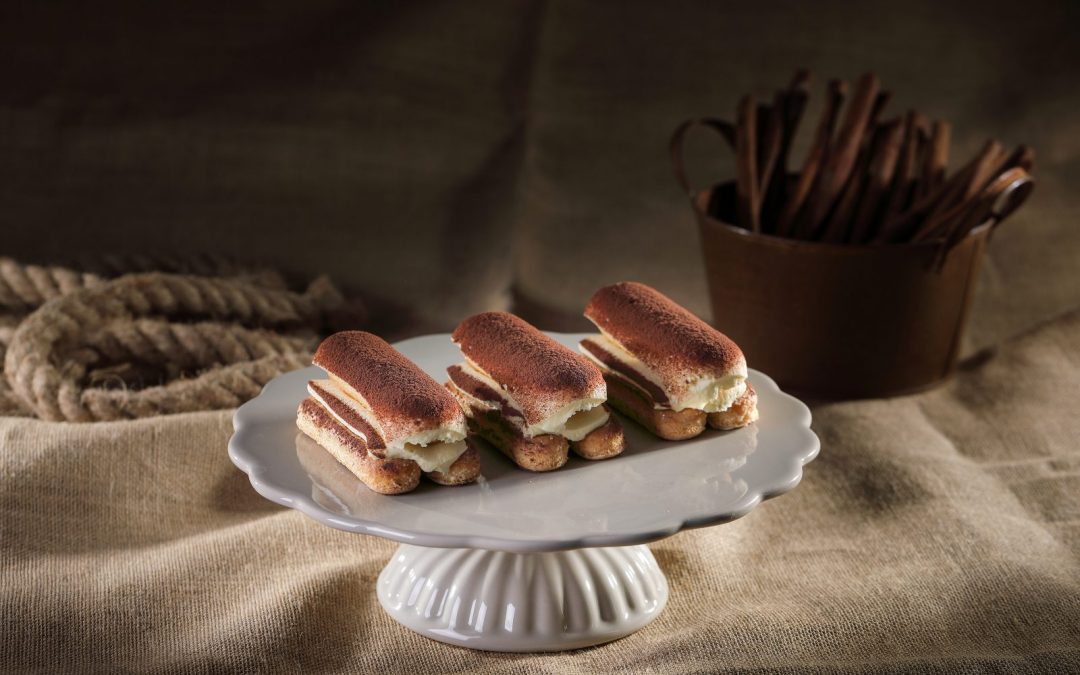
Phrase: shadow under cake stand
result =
(524, 561)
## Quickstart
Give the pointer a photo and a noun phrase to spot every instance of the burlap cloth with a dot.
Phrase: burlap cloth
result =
(439, 155)
(936, 532)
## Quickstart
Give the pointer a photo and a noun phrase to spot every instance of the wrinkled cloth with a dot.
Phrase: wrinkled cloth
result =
(938, 532)
(454, 157)
(438, 155)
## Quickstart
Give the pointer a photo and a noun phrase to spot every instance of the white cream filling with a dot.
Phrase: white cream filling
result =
(565, 421)
(582, 423)
(433, 457)
(433, 449)
(711, 394)
(708, 393)
(615, 348)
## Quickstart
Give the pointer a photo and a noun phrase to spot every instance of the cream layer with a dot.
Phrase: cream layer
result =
(707, 393)
(435, 450)
(573, 421)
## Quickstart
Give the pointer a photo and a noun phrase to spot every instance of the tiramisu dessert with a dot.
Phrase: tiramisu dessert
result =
(385, 419)
(665, 368)
(530, 396)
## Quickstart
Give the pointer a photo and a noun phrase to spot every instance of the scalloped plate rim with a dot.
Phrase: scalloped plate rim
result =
(246, 462)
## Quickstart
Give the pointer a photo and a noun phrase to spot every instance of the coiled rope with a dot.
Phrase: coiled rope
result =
(206, 342)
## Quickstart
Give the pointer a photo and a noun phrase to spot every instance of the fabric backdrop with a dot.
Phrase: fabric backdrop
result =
(439, 154)
(938, 532)
(451, 157)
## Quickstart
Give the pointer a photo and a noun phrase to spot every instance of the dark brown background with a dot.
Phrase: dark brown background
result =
(441, 154)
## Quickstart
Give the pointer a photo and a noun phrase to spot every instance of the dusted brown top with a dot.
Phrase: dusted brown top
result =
(539, 374)
(403, 398)
(662, 334)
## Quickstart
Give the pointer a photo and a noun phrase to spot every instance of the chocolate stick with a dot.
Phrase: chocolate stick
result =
(971, 216)
(901, 226)
(787, 225)
(880, 101)
(746, 187)
(768, 154)
(957, 192)
(1023, 157)
(841, 220)
(989, 165)
(795, 99)
(922, 148)
(960, 185)
(879, 178)
(975, 210)
(959, 226)
(841, 162)
(936, 158)
(762, 115)
(904, 180)
(944, 222)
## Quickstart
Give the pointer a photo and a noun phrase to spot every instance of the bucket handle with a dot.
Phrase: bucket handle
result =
(998, 201)
(678, 140)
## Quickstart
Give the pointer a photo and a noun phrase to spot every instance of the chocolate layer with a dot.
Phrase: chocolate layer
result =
(490, 415)
(537, 372)
(622, 368)
(313, 410)
(481, 390)
(343, 411)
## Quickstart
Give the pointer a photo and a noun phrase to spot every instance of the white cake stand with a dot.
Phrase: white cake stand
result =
(523, 561)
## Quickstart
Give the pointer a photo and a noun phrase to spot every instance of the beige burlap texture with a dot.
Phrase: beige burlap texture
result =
(938, 532)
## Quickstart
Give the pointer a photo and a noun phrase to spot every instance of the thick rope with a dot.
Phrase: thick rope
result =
(10, 404)
(8, 324)
(182, 324)
(222, 387)
(203, 265)
(25, 287)
(186, 346)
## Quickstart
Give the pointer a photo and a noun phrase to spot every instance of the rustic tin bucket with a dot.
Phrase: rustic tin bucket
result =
(830, 320)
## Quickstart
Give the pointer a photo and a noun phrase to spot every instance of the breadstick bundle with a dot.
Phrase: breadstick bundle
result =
(867, 178)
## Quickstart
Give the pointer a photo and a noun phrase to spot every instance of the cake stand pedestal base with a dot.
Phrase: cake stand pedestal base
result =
(523, 602)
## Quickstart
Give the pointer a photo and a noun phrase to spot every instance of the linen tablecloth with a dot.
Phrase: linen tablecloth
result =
(938, 532)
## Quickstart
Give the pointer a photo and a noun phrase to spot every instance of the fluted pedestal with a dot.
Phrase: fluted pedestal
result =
(523, 602)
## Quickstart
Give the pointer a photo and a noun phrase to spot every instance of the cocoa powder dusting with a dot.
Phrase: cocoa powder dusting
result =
(399, 393)
(540, 374)
(664, 335)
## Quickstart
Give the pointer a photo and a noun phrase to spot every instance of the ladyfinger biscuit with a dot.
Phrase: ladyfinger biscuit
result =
(545, 452)
(385, 476)
(602, 442)
(463, 471)
(742, 412)
(529, 395)
(665, 423)
(665, 367)
(377, 404)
